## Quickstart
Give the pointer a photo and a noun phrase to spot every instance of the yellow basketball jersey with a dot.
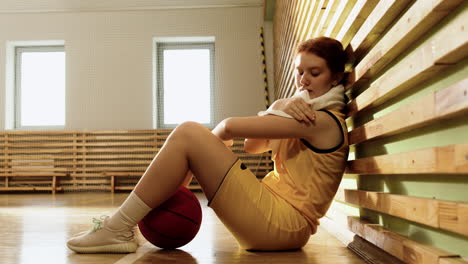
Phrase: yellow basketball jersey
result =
(306, 177)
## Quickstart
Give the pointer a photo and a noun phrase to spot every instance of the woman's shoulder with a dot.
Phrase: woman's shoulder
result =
(332, 132)
(337, 112)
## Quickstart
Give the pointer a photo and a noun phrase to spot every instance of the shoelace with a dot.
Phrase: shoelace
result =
(98, 223)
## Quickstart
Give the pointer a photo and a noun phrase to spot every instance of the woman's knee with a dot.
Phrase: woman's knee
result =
(187, 130)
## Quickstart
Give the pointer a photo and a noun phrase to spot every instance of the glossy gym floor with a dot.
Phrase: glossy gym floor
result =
(35, 227)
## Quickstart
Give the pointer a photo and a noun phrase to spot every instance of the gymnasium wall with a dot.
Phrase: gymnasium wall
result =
(407, 119)
(109, 83)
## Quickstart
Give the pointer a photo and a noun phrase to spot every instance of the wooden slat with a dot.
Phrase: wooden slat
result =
(289, 49)
(87, 144)
(371, 253)
(88, 132)
(120, 174)
(116, 168)
(326, 18)
(305, 21)
(76, 163)
(112, 185)
(29, 188)
(397, 245)
(277, 30)
(81, 150)
(266, 156)
(70, 138)
(89, 168)
(288, 26)
(126, 174)
(100, 174)
(340, 195)
(447, 159)
(293, 40)
(127, 181)
(20, 181)
(32, 169)
(421, 65)
(52, 164)
(420, 18)
(355, 19)
(382, 15)
(89, 157)
(87, 187)
(315, 13)
(453, 216)
(287, 22)
(93, 180)
(291, 26)
(78, 155)
(254, 167)
(29, 174)
(321, 6)
(339, 17)
(124, 188)
(450, 216)
(430, 109)
(297, 35)
(455, 260)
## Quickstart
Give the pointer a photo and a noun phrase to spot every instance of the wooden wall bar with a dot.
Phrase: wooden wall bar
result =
(88, 160)
(400, 246)
(438, 105)
(450, 216)
(401, 46)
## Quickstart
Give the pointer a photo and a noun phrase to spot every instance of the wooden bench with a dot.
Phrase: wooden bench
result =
(381, 33)
(259, 164)
(29, 184)
(88, 160)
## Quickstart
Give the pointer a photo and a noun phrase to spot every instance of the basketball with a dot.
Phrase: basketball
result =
(175, 222)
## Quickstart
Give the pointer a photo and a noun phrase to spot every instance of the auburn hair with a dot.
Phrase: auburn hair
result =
(331, 50)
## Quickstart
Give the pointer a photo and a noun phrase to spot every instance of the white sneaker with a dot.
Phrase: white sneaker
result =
(102, 239)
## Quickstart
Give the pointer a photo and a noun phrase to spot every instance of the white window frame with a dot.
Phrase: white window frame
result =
(160, 44)
(11, 68)
(18, 51)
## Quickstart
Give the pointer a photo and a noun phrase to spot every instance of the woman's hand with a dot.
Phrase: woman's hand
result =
(297, 108)
(256, 145)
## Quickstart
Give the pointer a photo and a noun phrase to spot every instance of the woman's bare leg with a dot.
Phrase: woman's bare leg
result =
(192, 147)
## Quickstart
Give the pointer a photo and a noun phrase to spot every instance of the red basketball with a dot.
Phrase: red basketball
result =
(175, 222)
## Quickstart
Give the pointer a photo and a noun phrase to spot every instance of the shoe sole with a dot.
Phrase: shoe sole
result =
(114, 248)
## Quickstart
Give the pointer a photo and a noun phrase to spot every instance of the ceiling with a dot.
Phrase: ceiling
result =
(35, 6)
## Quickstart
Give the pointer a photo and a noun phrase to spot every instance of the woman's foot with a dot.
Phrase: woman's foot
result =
(102, 239)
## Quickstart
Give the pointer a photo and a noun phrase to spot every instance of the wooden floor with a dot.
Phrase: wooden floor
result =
(35, 227)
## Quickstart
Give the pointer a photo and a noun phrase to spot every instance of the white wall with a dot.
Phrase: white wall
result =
(109, 59)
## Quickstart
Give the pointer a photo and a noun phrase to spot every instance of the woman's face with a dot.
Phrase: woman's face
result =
(312, 74)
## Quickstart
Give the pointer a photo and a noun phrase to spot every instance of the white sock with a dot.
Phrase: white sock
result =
(129, 213)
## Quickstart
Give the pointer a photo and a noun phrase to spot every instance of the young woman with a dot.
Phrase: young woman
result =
(281, 211)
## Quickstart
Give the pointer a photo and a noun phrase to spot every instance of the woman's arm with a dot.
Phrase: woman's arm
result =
(218, 131)
(295, 107)
(251, 145)
(323, 132)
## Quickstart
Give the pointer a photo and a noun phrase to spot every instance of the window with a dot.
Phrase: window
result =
(184, 83)
(39, 95)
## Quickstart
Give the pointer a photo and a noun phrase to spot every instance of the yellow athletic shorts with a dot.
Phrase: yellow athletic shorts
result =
(258, 218)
